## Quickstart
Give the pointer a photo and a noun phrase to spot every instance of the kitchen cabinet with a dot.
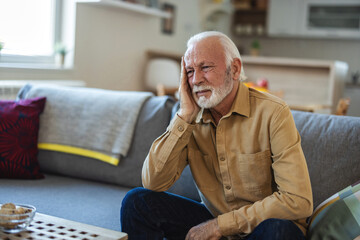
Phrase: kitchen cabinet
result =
(314, 19)
(283, 18)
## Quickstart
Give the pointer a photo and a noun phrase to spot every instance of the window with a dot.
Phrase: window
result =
(29, 30)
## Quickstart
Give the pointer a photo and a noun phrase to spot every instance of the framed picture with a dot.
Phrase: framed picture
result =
(168, 23)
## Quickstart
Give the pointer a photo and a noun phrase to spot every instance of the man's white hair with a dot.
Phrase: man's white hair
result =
(230, 49)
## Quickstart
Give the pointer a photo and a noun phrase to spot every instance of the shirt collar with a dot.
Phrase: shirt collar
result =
(241, 105)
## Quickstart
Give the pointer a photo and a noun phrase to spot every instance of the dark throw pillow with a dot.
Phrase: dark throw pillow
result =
(19, 127)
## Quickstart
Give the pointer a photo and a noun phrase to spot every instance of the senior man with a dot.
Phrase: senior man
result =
(243, 150)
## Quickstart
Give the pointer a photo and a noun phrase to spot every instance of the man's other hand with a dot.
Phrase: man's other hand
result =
(205, 231)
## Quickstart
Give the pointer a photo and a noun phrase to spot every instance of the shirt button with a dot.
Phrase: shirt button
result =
(222, 159)
(181, 128)
(228, 187)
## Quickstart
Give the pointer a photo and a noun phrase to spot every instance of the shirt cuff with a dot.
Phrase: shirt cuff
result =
(227, 224)
(180, 128)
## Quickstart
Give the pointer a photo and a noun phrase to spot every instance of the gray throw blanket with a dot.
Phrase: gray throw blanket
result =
(93, 119)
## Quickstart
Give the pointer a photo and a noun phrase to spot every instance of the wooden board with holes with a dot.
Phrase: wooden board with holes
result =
(48, 227)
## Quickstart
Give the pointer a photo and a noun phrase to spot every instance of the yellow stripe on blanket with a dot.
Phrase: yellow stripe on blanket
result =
(79, 151)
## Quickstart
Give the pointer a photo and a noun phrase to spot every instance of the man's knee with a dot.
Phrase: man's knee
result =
(133, 196)
(277, 229)
(274, 223)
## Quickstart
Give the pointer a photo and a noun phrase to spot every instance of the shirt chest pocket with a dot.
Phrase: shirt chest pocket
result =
(252, 172)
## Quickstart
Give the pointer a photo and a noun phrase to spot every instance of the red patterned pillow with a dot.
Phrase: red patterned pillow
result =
(19, 127)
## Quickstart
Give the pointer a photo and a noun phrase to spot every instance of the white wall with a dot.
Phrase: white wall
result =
(111, 45)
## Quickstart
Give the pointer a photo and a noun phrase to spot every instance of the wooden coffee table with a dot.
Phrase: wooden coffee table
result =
(48, 227)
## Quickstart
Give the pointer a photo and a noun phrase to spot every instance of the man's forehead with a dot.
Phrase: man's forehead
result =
(201, 52)
(204, 45)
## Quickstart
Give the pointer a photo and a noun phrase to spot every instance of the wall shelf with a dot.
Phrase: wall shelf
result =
(249, 22)
(128, 6)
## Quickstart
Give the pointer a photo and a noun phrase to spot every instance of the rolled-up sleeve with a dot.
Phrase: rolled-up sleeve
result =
(169, 152)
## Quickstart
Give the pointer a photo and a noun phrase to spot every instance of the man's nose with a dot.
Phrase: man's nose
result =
(198, 78)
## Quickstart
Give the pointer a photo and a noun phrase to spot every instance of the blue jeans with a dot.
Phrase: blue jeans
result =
(148, 215)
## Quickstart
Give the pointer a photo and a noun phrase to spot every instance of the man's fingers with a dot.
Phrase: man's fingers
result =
(183, 72)
(188, 235)
(188, 107)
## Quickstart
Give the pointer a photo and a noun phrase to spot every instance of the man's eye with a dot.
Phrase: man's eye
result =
(189, 73)
(206, 67)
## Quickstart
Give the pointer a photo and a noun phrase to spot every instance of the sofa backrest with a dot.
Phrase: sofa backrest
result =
(331, 145)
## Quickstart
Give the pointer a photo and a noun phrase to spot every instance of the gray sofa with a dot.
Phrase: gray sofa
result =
(91, 191)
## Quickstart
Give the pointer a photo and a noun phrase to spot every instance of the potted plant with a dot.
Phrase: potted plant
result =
(1, 46)
(60, 51)
(255, 48)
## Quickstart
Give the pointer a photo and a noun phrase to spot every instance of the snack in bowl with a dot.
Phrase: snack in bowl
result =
(15, 218)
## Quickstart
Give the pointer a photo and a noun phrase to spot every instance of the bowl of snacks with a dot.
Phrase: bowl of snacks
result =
(15, 217)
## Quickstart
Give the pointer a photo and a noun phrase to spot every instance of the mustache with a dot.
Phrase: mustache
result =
(201, 88)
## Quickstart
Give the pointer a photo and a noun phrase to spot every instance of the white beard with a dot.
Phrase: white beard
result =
(217, 94)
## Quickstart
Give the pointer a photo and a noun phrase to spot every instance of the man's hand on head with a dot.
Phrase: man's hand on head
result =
(188, 107)
(205, 231)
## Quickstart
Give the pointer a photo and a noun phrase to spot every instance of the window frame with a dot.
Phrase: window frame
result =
(50, 59)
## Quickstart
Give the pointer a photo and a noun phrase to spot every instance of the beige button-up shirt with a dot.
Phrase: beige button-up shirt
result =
(248, 168)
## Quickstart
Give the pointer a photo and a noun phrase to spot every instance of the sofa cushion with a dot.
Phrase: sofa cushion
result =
(19, 127)
(338, 217)
(331, 147)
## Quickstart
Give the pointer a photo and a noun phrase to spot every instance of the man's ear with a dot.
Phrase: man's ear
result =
(236, 68)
